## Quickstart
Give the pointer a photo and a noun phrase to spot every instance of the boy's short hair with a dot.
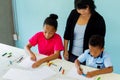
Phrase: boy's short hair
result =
(97, 40)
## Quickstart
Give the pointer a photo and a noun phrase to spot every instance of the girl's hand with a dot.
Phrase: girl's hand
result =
(33, 57)
(37, 64)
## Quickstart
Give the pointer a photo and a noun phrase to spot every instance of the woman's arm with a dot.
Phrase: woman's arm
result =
(66, 54)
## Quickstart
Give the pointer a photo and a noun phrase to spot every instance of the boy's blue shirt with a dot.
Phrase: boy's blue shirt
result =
(100, 62)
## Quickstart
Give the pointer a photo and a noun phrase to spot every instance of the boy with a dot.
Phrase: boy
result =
(95, 57)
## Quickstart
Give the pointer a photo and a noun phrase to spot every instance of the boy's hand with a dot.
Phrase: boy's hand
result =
(90, 74)
(79, 71)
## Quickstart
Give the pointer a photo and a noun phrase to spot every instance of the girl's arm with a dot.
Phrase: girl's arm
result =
(28, 49)
(46, 59)
(101, 71)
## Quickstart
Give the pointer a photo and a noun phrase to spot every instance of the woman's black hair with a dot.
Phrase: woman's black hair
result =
(82, 4)
(97, 40)
(52, 20)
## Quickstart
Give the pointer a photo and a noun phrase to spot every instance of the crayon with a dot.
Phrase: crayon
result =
(20, 59)
(10, 62)
(4, 54)
(60, 68)
(84, 74)
(98, 78)
(49, 63)
(54, 64)
(10, 53)
(63, 71)
(9, 56)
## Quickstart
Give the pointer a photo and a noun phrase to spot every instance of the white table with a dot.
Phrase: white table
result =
(17, 52)
(5, 60)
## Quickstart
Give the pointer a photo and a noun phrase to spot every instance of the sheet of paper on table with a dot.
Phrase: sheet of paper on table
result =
(73, 73)
(20, 74)
(27, 62)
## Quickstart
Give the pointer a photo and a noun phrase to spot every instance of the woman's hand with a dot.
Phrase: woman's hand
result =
(66, 55)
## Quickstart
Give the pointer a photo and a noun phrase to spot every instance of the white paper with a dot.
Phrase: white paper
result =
(19, 74)
(27, 62)
(65, 78)
(73, 73)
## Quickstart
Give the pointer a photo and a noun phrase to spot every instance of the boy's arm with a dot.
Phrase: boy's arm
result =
(46, 59)
(77, 65)
(100, 71)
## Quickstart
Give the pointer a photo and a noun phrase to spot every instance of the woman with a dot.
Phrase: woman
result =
(82, 23)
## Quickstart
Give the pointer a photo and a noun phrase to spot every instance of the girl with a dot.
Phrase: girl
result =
(48, 41)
